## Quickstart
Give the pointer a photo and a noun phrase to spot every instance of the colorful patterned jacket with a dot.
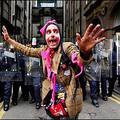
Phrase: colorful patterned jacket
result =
(73, 95)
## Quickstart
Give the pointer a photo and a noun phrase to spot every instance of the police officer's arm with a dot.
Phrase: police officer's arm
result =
(34, 52)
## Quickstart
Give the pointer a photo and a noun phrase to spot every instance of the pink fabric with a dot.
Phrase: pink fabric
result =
(46, 55)
(42, 30)
(74, 60)
(54, 84)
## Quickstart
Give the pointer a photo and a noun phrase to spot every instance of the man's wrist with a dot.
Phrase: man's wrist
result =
(86, 56)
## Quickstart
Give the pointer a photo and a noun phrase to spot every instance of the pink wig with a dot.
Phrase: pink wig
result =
(42, 30)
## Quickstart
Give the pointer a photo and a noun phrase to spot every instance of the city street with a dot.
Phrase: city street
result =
(38, 41)
(108, 110)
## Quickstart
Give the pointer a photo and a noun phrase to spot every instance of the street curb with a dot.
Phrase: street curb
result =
(116, 91)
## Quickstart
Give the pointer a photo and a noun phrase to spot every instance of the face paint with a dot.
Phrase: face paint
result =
(52, 36)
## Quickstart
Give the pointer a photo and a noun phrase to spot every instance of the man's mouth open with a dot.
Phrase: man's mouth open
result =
(52, 42)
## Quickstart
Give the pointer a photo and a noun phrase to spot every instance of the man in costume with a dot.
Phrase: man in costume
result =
(64, 96)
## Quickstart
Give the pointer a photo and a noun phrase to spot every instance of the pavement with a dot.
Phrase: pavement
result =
(108, 110)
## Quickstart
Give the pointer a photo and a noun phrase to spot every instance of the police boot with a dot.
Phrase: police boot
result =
(38, 105)
(95, 102)
(6, 107)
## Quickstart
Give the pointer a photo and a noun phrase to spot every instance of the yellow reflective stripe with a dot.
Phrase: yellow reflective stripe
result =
(1, 113)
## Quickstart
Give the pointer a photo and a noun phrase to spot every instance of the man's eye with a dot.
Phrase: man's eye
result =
(48, 32)
(56, 31)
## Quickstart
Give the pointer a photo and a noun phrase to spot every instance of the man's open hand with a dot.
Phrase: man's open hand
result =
(92, 36)
(5, 33)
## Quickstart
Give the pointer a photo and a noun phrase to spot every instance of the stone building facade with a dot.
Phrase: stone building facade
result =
(16, 16)
(74, 20)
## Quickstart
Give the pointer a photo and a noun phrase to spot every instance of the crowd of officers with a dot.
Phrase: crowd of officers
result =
(96, 73)
(21, 74)
(101, 74)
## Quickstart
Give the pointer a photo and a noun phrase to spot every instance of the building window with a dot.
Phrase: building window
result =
(25, 5)
(118, 39)
(78, 22)
(67, 6)
(86, 2)
(7, 1)
(59, 3)
(25, 22)
(5, 10)
(78, 5)
(18, 13)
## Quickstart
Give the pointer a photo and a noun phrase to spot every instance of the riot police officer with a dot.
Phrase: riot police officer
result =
(92, 75)
(7, 64)
(21, 83)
